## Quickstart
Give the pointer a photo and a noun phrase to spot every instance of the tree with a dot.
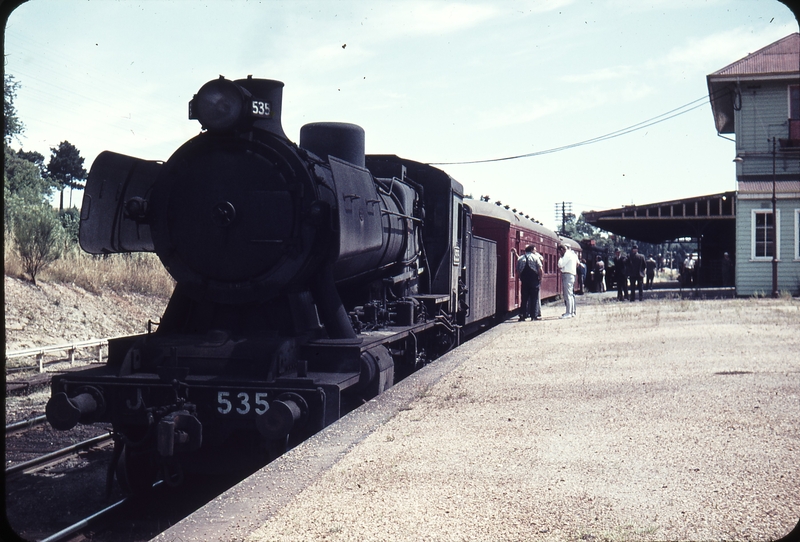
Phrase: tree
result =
(34, 157)
(23, 183)
(578, 228)
(70, 221)
(13, 126)
(581, 231)
(37, 238)
(66, 168)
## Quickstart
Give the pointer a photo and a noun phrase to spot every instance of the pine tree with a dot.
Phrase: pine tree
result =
(66, 168)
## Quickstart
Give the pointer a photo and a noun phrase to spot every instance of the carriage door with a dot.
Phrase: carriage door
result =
(457, 242)
(518, 247)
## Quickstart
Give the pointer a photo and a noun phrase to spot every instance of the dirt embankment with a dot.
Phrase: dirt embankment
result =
(50, 314)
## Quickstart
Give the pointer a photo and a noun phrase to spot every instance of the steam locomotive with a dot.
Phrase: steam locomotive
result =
(309, 278)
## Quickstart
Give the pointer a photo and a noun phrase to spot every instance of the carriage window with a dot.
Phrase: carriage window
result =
(513, 265)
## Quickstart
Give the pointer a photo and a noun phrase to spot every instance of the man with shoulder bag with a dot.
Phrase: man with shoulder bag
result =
(529, 270)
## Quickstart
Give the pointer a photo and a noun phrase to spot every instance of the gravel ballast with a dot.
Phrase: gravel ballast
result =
(660, 420)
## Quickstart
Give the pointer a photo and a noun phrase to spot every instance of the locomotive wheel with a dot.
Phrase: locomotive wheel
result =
(136, 471)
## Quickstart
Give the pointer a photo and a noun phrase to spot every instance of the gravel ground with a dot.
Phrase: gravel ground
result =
(50, 314)
(662, 420)
(44, 315)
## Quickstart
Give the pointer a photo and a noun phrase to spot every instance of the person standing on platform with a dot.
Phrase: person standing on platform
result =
(620, 275)
(568, 265)
(687, 275)
(651, 271)
(727, 270)
(600, 275)
(581, 275)
(529, 270)
(637, 267)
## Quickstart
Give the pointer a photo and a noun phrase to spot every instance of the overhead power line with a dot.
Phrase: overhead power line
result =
(611, 135)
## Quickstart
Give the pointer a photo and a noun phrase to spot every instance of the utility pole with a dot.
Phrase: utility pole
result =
(562, 210)
(774, 226)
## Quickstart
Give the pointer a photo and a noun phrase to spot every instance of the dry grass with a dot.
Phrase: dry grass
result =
(140, 273)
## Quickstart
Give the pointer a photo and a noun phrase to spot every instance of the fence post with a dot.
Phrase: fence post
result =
(40, 360)
(72, 356)
(100, 353)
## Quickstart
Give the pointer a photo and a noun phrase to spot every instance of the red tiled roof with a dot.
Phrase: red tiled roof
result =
(783, 56)
(779, 61)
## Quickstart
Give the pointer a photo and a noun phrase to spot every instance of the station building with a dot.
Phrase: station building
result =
(757, 99)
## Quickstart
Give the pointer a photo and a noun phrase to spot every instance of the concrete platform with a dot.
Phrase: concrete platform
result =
(670, 419)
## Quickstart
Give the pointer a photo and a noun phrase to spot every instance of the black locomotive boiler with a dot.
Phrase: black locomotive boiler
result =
(309, 277)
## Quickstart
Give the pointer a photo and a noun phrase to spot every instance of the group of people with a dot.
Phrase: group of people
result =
(624, 272)
(632, 270)
(632, 273)
(529, 270)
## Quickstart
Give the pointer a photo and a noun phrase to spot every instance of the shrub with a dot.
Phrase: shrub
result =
(38, 239)
(70, 220)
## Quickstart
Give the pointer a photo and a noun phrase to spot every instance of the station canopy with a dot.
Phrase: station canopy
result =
(711, 217)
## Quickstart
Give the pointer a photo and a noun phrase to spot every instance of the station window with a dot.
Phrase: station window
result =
(794, 112)
(763, 234)
(797, 234)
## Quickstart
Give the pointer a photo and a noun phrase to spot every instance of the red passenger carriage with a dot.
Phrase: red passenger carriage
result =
(512, 233)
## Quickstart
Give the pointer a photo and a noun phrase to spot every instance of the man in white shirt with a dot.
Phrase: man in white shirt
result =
(568, 264)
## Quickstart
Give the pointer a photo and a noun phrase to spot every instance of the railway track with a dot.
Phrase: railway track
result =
(61, 494)
(85, 523)
(65, 356)
(56, 482)
(22, 425)
(56, 456)
(21, 382)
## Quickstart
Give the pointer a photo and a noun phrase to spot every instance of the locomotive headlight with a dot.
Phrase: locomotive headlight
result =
(218, 105)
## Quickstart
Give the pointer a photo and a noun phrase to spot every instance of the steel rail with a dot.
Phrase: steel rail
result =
(75, 527)
(24, 424)
(39, 461)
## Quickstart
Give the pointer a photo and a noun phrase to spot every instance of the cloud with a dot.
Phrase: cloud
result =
(602, 74)
(713, 52)
(436, 18)
(567, 105)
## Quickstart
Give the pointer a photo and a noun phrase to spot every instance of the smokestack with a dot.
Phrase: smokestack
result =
(339, 139)
(266, 91)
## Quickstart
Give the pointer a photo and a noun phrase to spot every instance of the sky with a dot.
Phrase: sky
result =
(440, 82)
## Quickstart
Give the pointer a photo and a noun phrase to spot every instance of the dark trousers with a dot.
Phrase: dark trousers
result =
(531, 306)
(622, 288)
(637, 280)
